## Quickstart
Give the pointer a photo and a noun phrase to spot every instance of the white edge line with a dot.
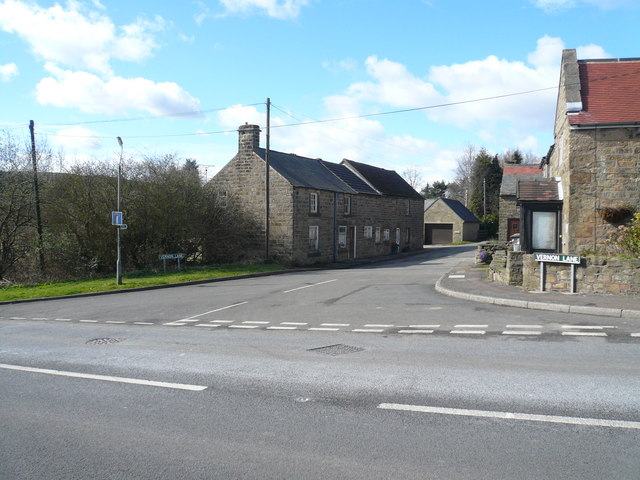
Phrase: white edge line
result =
(106, 378)
(308, 286)
(591, 422)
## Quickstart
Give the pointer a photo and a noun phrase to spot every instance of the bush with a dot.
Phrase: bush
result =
(625, 239)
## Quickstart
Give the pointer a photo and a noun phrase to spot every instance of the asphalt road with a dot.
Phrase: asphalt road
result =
(148, 400)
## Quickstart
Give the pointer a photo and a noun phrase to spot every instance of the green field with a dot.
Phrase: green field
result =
(142, 279)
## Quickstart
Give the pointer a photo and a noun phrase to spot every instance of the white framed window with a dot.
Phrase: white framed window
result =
(342, 237)
(368, 232)
(313, 202)
(407, 207)
(386, 235)
(377, 234)
(398, 236)
(313, 238)
(347, 205)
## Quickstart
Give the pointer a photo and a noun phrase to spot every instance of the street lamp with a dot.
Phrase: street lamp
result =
(119, 260)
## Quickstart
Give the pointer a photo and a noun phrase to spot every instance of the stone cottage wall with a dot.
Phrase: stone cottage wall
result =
(366, 210)
(508, 209)
(243, 180)
(594, 276)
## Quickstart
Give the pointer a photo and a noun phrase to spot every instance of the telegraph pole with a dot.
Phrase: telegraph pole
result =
(36, 191)
(266, 186)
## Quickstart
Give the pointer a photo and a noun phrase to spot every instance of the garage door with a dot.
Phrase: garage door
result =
(438, 233)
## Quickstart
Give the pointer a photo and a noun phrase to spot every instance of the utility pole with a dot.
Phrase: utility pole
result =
(484, 197)
(266, 186)
(36, 191)
(118, 227)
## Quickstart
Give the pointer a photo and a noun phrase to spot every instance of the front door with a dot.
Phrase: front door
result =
(513, 227)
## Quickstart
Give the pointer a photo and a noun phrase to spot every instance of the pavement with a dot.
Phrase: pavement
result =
(469, 282)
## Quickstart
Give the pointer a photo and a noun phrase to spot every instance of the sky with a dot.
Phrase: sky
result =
(401, 85)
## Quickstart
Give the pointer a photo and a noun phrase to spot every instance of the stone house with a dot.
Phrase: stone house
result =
(320, 211)
(592, 171)
(509, 223)
(447, 221)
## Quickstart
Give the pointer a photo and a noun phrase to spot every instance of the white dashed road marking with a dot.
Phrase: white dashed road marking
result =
(590, 422)
(106, 378)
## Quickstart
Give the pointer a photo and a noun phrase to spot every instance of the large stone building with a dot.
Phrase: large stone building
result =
(593, 169)
(321, 211)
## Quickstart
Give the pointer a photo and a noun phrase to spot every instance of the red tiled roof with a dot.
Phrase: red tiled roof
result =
(540, 191)
(610, 92)
(522, 170)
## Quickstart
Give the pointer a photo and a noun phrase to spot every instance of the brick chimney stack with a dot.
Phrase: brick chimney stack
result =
(248, 138)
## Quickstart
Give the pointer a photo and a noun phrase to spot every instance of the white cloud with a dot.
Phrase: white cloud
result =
(78, 37)
(592, 51)
(91, 94)
(76, 138)
(553, 6)
(8, 71)
(281, 9)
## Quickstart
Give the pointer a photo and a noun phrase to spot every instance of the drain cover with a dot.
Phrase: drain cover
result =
(104, 341)
(337, 349)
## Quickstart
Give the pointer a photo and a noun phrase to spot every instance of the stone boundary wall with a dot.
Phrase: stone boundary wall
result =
(506, 267)
(595, 275)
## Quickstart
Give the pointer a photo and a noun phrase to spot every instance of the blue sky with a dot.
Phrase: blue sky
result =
(89, 71)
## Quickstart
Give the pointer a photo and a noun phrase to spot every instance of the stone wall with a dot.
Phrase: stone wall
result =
(506, 267)
(595, 275)
(508, 209)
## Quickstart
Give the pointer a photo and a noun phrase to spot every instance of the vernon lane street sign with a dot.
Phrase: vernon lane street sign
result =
(557, 258)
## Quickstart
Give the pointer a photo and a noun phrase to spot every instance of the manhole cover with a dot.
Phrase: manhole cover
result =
(104, 341)
(337, 349)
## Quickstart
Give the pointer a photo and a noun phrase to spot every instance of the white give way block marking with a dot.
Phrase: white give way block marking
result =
(106, 378)
(589, 422)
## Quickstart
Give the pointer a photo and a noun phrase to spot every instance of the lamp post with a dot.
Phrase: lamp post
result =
(119, 260)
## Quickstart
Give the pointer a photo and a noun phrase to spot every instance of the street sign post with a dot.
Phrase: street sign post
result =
(570, 259)
(116, 218)
(170, 256)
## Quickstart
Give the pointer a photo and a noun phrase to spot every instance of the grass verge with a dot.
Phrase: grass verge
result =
(140, 279)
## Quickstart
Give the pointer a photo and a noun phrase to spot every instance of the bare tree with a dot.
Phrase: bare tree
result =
(462, 186)
(413, 177)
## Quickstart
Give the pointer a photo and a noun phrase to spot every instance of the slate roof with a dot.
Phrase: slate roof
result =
(514, 173)
(458, 208)
(350, 178)
(387, 182)
(538, 191)
(610, 91)
(305, 172)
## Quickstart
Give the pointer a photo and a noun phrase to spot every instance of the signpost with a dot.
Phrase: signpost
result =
(570, 259)
(170, 256)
